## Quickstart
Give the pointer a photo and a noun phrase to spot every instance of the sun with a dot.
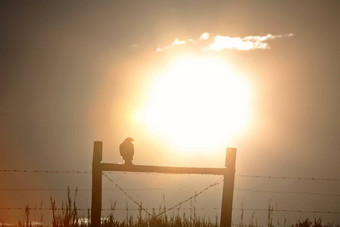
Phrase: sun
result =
(196, 103)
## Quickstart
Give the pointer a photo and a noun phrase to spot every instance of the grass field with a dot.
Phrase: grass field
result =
(68, 216)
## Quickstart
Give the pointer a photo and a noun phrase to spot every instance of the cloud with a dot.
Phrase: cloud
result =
(204, 36)
(220, 43)
(225, 42)
(176, 42)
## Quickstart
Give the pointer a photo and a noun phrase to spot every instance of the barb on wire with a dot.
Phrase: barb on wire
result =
(199, 208)
(288, 178)
(43, 171)
(287, 210)
(287, 192)
(79, 189)
(130, 197)
(181, 189)
(191, 197)
(237, 175)
(39, 208)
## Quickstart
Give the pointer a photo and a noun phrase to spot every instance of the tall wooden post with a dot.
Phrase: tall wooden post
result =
(228, 188)
(96, 184)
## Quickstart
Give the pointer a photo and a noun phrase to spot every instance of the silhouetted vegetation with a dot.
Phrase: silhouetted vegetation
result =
(67, 216)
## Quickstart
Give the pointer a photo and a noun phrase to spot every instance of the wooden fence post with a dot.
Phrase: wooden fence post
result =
(96, 184)
(228, 188)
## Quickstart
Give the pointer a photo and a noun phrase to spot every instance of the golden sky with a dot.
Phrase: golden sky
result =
(185, 79)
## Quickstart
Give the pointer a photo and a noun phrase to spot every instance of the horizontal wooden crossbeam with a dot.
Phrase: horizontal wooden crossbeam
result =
(161, 169)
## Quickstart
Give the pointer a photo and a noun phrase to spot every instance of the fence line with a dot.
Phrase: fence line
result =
(197, 208)
(288, 178)
(180, 189)
(237, 175)
(287, 192)
(288, 210)
(140, 207)
(79, 189)
(44, 171)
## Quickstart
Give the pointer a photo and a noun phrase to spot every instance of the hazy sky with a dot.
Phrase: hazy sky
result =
(74, 72)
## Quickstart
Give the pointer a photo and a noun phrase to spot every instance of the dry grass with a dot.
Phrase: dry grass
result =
(68, 216)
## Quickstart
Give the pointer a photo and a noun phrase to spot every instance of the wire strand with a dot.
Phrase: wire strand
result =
(180, 189)
(130, 197)
(197, 208)
(237, 175)
(44, 171)
(289, 178)
(191, 197)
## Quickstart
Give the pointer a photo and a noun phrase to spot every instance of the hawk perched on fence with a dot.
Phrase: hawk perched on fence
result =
(126, 150)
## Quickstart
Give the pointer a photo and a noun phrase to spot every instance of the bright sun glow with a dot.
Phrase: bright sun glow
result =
(197, 103)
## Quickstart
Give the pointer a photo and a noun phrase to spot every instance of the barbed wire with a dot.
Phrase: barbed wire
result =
(287, 192)
(39, 208)
(191, 197)
(166, 210)
(197, 208)
(78, 190)
(44, 171)
(237, 175)
(130, 197)
(146, 210)
(180, 189)
(289, 178)
(288, 210)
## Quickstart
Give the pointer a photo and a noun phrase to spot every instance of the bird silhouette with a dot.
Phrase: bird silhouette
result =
(127, 150)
